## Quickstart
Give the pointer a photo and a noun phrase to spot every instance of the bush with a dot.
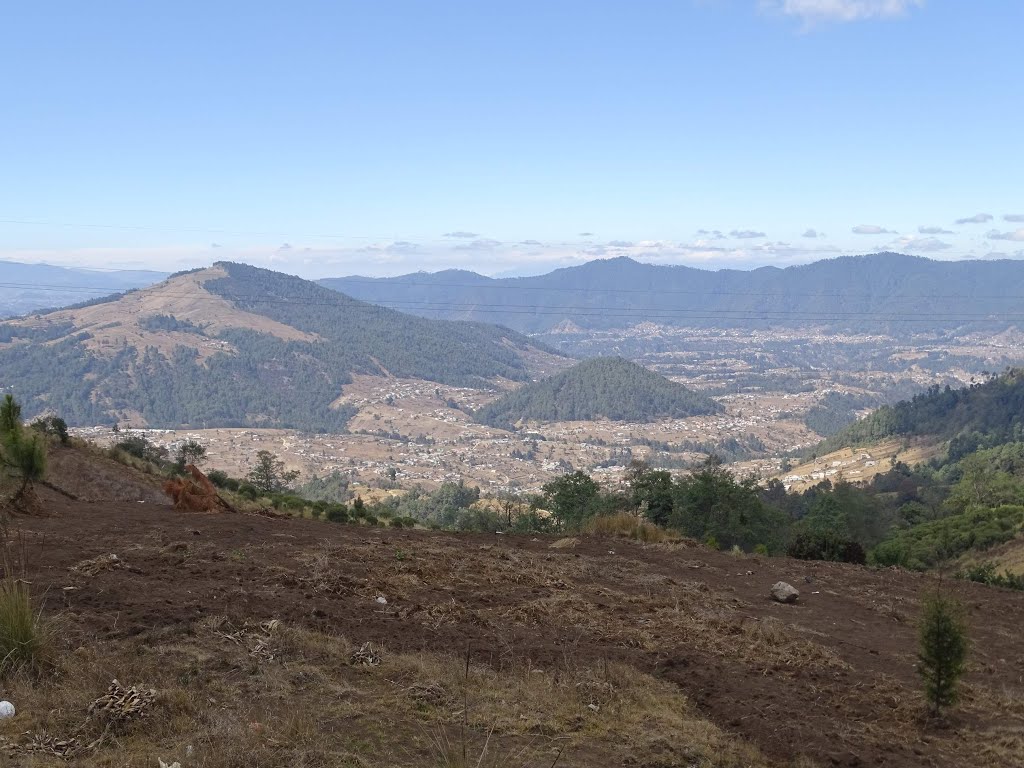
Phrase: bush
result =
(826, 546)
(943, 650)
(985, 573)
(52, 425)
(220, 478)
(25, 640)
(930, 543)
(141, 448)
(336, 513)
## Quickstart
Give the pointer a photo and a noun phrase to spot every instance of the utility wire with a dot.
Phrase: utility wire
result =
(637, 314)
(386, 282)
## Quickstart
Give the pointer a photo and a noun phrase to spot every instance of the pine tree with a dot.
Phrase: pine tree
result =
(269, 473)
(943, 650)
(22, 454)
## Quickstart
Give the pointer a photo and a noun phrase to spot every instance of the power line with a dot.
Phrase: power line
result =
(387, 282)
(638, 314)
(454, 238)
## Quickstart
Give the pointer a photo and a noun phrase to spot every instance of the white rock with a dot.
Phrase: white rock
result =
(382, 600)
(784, 593)
(6, 709)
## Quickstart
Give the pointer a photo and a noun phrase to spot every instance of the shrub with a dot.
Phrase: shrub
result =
(141, 448)
(52, 425)
(826, 546)
(930, 543)
(25, 639)
(761, 549)
(220, 478)
(337, 513)
(985, 573)
(943, 650)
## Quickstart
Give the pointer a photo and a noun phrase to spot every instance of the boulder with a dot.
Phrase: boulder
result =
(784, 593)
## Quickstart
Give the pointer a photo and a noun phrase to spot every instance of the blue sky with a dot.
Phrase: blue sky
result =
(330, 138)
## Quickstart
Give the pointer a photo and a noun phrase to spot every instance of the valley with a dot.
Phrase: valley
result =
(425, 431)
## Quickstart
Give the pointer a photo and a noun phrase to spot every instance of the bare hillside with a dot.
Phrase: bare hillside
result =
(281, 642)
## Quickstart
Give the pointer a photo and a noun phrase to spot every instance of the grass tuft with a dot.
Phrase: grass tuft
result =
(25, 638)
(625, 525)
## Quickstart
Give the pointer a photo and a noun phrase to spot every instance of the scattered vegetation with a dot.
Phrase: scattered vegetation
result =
(985, 573)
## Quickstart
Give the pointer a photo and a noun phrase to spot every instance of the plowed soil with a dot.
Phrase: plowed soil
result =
(831, 677)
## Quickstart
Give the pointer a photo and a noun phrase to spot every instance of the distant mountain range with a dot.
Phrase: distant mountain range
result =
(603, 387)
(28, 288)
(233, 345)
(874, 292)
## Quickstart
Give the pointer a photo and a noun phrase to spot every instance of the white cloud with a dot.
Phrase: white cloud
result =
(1014, 217)
(1016, 236)
(812, 233)
(712, 234)
(746, 234)
(480, 244)
(934, 231)
(461, 235)
(812, 11)
(978, 218)
(921, 244)
(871, 229)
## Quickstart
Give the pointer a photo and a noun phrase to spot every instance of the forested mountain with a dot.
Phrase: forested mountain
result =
(234, 345)
(28, 288)
(983, 415)
(873, 292)
(603, 387)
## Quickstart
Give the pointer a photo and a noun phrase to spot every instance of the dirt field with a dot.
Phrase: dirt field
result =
(596, 652)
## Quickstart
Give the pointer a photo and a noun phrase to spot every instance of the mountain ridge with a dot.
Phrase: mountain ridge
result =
(30, 288)
(234, 345)
(875, 292)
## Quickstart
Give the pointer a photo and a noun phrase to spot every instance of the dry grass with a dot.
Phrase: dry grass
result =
(569, 542)
(274, 696)
(26, 638)
(626, 525)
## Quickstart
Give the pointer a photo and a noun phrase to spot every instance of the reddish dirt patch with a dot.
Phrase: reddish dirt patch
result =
(831, 677)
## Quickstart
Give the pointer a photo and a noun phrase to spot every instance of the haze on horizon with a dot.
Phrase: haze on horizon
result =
(348, 138)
